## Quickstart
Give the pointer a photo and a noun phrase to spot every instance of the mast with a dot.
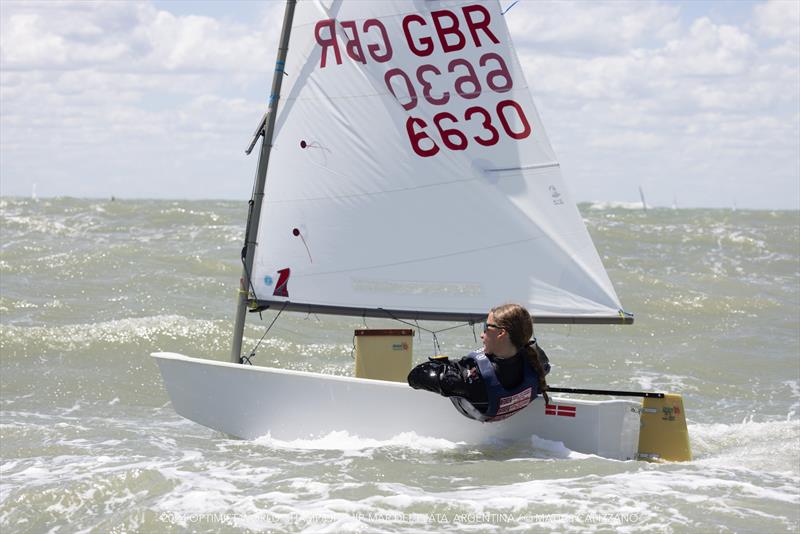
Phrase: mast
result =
(254, 215)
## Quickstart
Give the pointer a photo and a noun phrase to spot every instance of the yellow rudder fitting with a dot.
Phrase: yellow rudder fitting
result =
(663, 434)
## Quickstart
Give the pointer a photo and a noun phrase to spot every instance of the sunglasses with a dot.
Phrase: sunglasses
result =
(487, 326)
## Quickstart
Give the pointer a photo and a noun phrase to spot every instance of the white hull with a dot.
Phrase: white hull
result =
(248, 402)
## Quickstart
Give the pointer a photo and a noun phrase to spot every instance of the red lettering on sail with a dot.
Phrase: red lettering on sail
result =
(426, 85)
(466, 85)
(328, 42)
(470, 79)
(407, 85)
(374, 49)
(494, 135)
(502, 73)
(281, 288)
(453, 138)
(448, 29)
(417, 136)
(482, 24)
(426, 42)
(353, 47)
(452, 31)
(439, 82)
(501, 112)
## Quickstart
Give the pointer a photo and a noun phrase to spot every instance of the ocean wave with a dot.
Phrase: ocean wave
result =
(153, 333)
(90, 441)
(320, 485)
(761, 446)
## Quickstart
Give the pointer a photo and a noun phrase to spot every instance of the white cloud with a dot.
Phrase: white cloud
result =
(708, 50)
(199, 43)
(129, 37)
(27, 50)
(590, 27)
(703, 102)
(63, 34)
(779, 19)
(146, 102)
(116, 95)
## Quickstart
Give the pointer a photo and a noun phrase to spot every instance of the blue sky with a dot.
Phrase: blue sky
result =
(696, 102)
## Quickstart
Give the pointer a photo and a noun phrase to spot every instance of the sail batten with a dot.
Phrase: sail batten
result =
(527, 167)
(411, 172)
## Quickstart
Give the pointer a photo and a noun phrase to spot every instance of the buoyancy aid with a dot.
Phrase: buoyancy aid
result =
(502, 402)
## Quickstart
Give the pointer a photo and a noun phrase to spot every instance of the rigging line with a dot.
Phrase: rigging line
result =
(353, 349)
(253, 352)
(436, 346)
(393, 316)
(469, 323)
(506, 10)
(244, 261)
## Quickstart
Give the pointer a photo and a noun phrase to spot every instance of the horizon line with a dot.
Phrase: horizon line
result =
(631, 205)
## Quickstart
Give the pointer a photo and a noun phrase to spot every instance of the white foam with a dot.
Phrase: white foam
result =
(794, 386)
(764, 446)
(557, 449)
(661, 381)
(267, 495)
(344, 441)
(75, 408)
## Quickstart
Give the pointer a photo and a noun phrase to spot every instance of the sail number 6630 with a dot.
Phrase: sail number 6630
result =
(454, 139)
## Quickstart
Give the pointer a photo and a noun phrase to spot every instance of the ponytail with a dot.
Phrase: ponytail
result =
(532, 351)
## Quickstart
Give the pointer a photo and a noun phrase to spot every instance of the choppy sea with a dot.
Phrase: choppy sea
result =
(90, 443)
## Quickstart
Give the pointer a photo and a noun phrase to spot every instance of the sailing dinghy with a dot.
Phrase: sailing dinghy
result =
(405, 173)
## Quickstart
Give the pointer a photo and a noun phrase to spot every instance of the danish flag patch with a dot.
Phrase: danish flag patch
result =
(559, 409)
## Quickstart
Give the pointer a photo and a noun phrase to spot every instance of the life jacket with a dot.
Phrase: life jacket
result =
(502, 402)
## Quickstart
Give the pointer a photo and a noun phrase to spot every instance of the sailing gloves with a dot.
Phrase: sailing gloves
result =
(439, 375)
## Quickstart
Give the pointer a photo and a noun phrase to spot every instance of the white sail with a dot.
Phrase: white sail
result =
(411, 175)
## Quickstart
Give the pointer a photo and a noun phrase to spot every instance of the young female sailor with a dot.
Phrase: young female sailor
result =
(497, 382)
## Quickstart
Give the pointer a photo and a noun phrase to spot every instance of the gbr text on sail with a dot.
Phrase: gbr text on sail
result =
(432, 63)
